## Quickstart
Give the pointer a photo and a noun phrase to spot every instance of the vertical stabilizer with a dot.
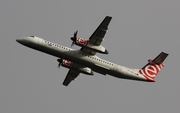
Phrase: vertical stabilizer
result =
(150, 70)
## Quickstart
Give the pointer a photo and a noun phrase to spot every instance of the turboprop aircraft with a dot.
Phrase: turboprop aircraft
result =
(86, 61)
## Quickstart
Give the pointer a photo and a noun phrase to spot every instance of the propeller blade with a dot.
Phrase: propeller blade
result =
(60, 62)
(74, 38)
(75, 34)
(72, 43)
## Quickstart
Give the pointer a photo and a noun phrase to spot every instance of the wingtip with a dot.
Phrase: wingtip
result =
(64, 84)
(165, 53)
(109, 17)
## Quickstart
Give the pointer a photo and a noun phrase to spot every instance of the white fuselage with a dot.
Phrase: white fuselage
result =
(92, 61)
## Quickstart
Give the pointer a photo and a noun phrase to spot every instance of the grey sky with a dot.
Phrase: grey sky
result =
(140, 29)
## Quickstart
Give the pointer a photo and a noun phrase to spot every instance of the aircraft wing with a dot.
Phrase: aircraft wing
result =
(97, 37)
(72, 74)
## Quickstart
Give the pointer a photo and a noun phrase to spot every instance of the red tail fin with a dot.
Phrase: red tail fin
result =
(150, 70)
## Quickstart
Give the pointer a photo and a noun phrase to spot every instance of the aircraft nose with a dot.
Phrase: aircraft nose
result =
(21, 41)
(18, 40)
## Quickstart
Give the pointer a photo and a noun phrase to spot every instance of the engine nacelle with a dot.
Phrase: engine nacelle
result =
(99, 49)
(69, 64)
(81, 42)
(85, 43)
(65, 63)
(86, 71)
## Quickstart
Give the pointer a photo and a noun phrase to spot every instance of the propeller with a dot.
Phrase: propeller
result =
(74, 38)
(60, 62)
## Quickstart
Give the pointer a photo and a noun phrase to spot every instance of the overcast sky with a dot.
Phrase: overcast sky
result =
(30, 81)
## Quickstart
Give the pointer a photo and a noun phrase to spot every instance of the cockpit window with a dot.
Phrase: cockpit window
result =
(32, 36)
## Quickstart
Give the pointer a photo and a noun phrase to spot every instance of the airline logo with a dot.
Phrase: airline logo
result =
(67, 63)
(151, 71)
(82, 41)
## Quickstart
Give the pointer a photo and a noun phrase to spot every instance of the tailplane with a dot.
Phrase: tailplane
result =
(150, 70)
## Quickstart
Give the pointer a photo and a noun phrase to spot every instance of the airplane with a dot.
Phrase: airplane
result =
(86, 61)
